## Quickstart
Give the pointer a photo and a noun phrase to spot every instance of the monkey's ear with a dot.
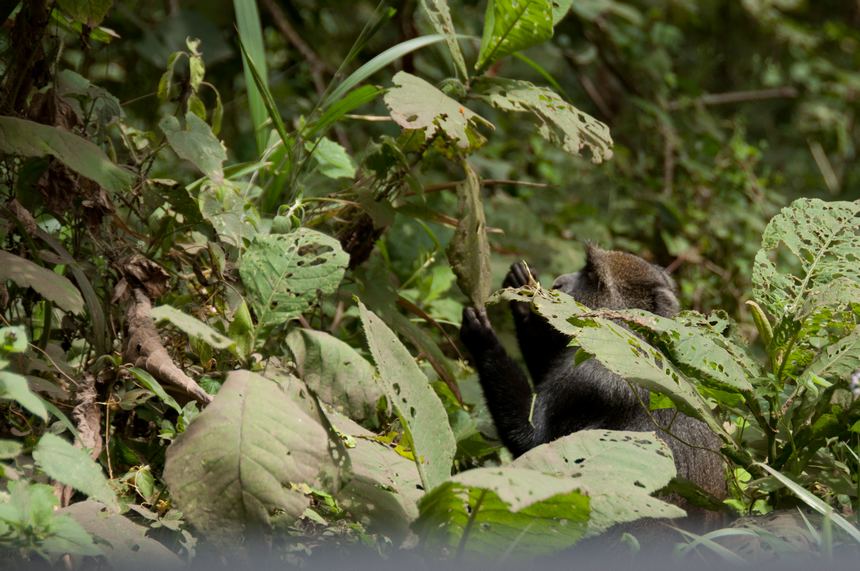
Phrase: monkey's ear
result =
(596, 262)
(665, 302)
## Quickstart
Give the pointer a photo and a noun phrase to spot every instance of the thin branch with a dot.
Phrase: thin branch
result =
(729, 97)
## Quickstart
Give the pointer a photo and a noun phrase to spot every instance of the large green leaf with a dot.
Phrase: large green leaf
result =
(469, 250)
(559, 122)
(618, 470)
(836, 361)
(418, 407)
(385, 487)
(440, 17)
(503, 511)
(196, 143)
(48, 284)
(332, 159)
(284, 273)
(192, 326)
(335, 372)
(511, 26)
(73, 467)
(415, 104)
(617, 349)
(124, 542)
(237, 463)
(30, 139)
(691, 348)
(231, 214)
(31, 508)
(15, 387)
(89, 12)
(823, 241)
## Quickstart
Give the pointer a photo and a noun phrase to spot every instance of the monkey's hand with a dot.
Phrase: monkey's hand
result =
(477, 332)
(520, 274)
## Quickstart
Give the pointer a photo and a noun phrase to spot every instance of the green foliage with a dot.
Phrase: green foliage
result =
(283, 273)
(73, 466)
(252, 236)
(245, 456)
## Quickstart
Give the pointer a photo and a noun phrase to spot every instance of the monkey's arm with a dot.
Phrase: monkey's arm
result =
(506, 389)
(539, 341)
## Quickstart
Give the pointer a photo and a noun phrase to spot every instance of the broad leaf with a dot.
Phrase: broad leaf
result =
(191, 326)
(419, 409)
(89, 12)
(284, 273)
(48, 284)
(30, 508)
(836, 361)
(196, 143)
(233, 216)
(469, 250)
(335, 372)
(617, 349)
(332, 160)
(30, 139)
(15, 387)
(440, 17)
(511, 26)
(148, 381)
(74, 467)
(124, 542)
(385, 487)
(822, 239)
(559, 122)
(415, 104)
(503, 511)
(691, 348)
(237, 463)
(618, 470)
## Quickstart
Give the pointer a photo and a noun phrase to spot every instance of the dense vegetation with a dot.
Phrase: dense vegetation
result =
(237, 239)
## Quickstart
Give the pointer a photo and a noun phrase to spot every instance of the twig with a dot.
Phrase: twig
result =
(317, 66)
(785, 92)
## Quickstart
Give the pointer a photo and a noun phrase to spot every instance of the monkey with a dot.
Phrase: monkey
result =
(567, 397)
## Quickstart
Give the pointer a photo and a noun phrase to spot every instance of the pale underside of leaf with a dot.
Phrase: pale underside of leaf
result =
(416, 104)
(559, 122)
(417, 405)
(236, 463)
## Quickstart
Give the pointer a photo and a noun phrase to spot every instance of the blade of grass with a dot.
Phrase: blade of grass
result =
(251, 36)
(813, 502)
(268, 100)
(380, 61)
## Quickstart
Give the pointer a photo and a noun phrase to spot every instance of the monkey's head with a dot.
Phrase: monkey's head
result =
(618, 280)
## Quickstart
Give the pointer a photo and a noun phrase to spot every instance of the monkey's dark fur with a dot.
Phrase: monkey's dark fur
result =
(572, 397)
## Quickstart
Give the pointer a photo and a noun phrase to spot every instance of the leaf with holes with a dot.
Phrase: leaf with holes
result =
(469, 250)
(558, 121)
(618, 470)
(440, 17)
(511, 26)
(417, 406)
(284, 273)
(335, 372)
(823, 241)
(836, 361)
(385, 487)
(415, 104)
(237, 462)
(503, 511)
